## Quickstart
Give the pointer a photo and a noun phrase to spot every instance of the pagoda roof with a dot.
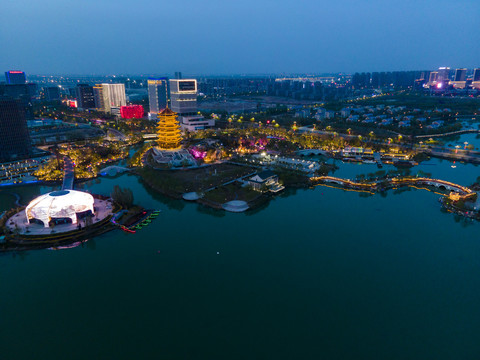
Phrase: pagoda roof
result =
(167, 111)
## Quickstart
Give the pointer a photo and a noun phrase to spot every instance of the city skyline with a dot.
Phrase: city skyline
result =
(241, 38)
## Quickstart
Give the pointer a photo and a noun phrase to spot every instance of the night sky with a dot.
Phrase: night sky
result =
(237, 37)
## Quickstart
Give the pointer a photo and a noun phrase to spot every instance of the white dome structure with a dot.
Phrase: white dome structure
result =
(59, 205)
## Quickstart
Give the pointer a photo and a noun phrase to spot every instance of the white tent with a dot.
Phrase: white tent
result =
(59, 204)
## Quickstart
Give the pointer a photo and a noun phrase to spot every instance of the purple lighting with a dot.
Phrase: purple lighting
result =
(197, 154)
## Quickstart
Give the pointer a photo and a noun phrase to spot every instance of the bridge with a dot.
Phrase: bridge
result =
(307, 152)
(462, 191)
(116, 134)
(466, 131)
(345, 182)
(112, 170)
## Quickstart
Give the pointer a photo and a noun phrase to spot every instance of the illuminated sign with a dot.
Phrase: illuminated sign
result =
(72, 103)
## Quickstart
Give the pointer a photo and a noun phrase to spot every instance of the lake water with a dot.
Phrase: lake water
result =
(316, 274)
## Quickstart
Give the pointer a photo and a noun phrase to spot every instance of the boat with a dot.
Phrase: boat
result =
(368, 161)
(124, 228)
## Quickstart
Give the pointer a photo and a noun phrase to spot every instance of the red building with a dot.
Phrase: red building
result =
(72, 103)
(131, 111)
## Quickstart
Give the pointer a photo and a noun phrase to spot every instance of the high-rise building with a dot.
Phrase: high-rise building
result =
(84, 96)
(98, 97)
(183, 101)
(15, 77)
(443, 74)
(157, 95)
(476, 74)
(183, 96)
(51, 93)
(433, 77)
(24, 91)
(476, 79)
(108, 96)
(14, 137)
(178, 75)
(460, 74)
(460, 79)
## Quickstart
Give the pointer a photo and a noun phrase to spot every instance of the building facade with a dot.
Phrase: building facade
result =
(443, 74)
(476, 79)
(460, 74)
(14, 136)
(108, 96)
(157, 95)
(15, 77)
(183, 96)
(433, 77)
(183, 100)
(51, 93)
(459, 81)
(476, 74)
(131, 112)
(85, 97)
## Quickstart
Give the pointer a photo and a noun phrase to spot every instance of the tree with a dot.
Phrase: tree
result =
(123, 197)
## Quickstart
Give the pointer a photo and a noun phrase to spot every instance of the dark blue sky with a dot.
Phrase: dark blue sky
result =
(234, 37)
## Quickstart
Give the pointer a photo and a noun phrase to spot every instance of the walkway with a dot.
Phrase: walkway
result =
(465, 131)
(230, 181)
(68, 174)
(372, 186)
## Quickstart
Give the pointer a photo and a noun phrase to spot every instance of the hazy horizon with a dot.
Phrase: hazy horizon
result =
(251, 37)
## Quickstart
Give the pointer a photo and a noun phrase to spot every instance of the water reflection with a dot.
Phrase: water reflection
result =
(210, 211)
(172, 204)
(90, 244)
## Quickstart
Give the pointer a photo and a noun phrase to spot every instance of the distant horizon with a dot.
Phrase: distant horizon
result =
(250, 37)
(185, 75)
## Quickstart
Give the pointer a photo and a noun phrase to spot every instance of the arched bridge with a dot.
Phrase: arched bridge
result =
(376, 185)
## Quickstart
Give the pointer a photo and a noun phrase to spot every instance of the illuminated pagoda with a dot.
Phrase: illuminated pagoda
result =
(168, 130)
